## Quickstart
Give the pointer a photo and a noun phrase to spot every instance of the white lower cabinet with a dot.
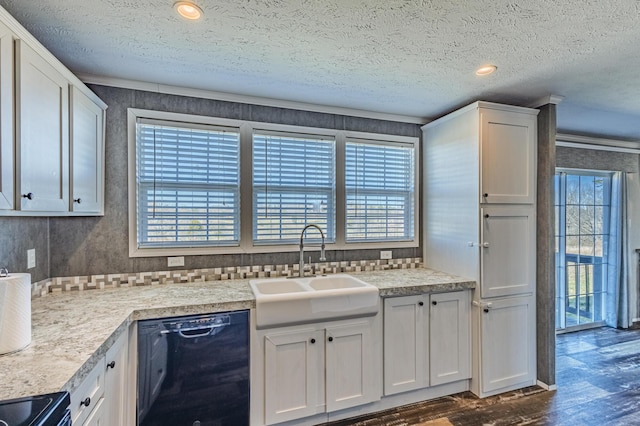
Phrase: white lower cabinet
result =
(350, 368)
(293, 374)
(102, 398)
(427, 340)
(87, 396)
(116, 382)
(406, 344)
(317, 368)
(505, 343)
(449, 337)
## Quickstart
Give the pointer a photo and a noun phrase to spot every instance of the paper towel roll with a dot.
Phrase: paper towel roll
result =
(15, 312)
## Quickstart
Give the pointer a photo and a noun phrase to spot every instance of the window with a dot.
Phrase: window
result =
(583, 205)
(380, 192)
(188, 185)
(205, 185)
(293, 185)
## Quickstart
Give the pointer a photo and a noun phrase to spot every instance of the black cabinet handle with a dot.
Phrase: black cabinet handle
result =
(112, 364)
(86, 402)
(485, 195)
(28, 196)
(421, 303)
(330, 339)
(486, 310)
(434, 303)
(77, 200)
(486, 215)
(312, 341)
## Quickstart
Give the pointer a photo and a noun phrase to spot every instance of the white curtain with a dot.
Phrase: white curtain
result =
(618, 265)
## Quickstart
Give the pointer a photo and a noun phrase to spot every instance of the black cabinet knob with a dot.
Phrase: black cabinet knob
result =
(330, 339)
(86, 402)
(434, 303)
(112, 364)
(421, 303)
(486, 310)
(485, 195)
(312, 341)
(77, 200)
(486, 215)
(28, 196)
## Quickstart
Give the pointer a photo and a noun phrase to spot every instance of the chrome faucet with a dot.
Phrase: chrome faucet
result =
(322, 257)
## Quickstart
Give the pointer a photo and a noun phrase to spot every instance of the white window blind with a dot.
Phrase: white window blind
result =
(379, 180)
(188, 184)
(293, 185)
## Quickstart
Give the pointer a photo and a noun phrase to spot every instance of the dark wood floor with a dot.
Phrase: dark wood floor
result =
(598, 379)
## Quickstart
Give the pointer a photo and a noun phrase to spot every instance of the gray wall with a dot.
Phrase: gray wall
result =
(98, 245)
(578, 158)
(19, 234)
(545, 250)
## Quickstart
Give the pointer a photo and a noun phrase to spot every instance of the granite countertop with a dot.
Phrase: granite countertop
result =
(71, 331)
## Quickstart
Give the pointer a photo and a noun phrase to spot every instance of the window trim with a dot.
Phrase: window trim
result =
(247, 128)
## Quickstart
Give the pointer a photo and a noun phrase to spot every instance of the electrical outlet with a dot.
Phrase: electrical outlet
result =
(175, 261)
(31, 258)
(385, 254)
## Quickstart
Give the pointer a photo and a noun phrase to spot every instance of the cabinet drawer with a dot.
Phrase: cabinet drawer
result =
(97, 415)
(88, 395)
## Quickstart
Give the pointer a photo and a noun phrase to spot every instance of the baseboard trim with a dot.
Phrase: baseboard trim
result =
(546, 386)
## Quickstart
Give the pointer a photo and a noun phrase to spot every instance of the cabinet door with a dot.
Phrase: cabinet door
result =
(115, 382)
(507, 252)
(406, 344)
(86, 154)
(350, 366)
(6, 118)
(507, 344)
(450, 337)
(42, 133)
(293, 373)
(507, 156)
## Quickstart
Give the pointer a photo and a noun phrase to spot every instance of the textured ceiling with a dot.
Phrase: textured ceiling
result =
(410, 57)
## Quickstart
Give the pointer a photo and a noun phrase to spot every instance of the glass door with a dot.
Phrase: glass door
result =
(582, 204)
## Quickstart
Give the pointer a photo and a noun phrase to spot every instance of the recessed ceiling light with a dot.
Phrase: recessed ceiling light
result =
(188, 10)
(486, 70)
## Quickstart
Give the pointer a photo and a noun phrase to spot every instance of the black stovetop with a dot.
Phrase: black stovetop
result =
(41, 410)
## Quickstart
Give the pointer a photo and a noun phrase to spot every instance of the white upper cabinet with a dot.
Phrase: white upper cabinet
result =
(87, 153)
(51, 132)
(507, 156)
(481, 160)
(507, 258)
(6, 119)
(42, 133)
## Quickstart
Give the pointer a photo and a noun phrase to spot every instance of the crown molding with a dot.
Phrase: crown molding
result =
(245, 99)
(545, 100)
(598, 144)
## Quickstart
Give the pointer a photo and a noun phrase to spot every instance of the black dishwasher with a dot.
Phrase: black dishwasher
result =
(194, 370)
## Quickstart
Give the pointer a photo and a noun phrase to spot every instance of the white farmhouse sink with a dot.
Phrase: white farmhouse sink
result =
(277, 286)
(293, 301)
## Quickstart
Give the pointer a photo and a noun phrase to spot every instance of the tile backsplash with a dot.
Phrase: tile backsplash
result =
(104, 281)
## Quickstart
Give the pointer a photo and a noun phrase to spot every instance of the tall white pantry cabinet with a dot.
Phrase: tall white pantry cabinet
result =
(479, 223)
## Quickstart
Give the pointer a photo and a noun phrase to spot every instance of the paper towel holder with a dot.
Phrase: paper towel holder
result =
(4, 272)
